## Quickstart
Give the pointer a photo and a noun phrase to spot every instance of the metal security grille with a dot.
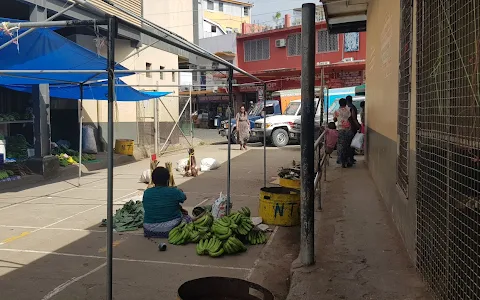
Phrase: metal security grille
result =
(257, 50)
(326, 42)
(294, 44)
(404, 88)
(448, 147)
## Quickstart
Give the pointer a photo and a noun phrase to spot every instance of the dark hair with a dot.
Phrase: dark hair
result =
(161, 176)
(349, 99)
(342, 102)
(332, 125)
(362, 104)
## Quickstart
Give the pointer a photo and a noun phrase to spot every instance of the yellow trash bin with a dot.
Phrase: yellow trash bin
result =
(280, 206)
(290, 183)
(124, 147)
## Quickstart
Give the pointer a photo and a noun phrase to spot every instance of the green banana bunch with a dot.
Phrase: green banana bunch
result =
(204, 221)
(222, 228)
(236, 217)
(233, 245)
(212, 247)
(245, 211)
(255, 237)
(245, 225)
(180, 235)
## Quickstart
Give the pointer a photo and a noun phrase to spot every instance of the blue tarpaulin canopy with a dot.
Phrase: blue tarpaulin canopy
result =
(44, 49)
(94, 91)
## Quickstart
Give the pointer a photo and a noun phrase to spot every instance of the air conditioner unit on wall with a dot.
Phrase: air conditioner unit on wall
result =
(280, 43)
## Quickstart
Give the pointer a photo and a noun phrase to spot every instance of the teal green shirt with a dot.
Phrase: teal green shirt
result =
(162, 204)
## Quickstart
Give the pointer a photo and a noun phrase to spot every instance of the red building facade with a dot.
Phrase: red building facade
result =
(275, 56)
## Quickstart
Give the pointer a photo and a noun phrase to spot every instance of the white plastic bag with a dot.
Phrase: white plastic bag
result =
(88, 140)
(146, 176)
(208, 164)
(181, 164)
(219, 207)
(357, 141)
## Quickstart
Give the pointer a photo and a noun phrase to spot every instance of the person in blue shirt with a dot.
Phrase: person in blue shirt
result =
(162, 205)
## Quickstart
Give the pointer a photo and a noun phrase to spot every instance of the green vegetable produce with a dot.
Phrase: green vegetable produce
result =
(17, 147)
(129, 217)
(256, 237)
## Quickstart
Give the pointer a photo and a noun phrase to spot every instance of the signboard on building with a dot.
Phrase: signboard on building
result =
(260, 94)
(271, 86)
(213, 98)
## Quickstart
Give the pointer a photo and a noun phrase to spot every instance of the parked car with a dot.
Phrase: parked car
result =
(273, 108)
(278, 127)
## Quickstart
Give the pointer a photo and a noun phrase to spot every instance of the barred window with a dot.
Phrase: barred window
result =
(326, 42)
(294, 44)
(257, 50)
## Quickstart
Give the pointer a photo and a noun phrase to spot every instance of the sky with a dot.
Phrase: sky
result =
(264, 10)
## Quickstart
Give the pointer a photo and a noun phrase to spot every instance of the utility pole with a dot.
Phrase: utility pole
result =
(307, 246)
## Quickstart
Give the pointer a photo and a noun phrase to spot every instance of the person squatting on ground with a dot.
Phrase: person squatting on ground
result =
(162, 205)
(331, 138)
(243, 128)
(354, 127)
(345, 133)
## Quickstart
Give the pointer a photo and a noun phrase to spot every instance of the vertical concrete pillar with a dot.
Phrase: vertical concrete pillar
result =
(43, 162)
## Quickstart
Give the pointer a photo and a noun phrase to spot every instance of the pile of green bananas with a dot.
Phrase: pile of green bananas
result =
(255, 237)
(212, 247)
(223, 228)
(233, 245)
(244, 224)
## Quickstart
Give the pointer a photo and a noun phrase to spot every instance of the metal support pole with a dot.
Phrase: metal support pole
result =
(80, 142)
(112, 34)
(190, 116)
(264, 135)
(155, 127)
(307, 249)
(49, 24)
(229, 163)
(326, 125)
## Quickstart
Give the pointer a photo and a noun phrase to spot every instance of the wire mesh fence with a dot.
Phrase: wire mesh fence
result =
(404, 89)
(448, 147)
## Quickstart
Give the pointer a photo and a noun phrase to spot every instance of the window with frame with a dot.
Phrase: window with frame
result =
(294, 44)
(220, 6)
(148, 67)
(257, 50)
(210, 5)
(326, 42)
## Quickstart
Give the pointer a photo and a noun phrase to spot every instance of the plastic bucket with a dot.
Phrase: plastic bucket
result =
(280, 206)
(222, 288)
(124, 147)
(290, 183)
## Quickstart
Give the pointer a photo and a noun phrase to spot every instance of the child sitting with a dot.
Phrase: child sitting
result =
(331, 137)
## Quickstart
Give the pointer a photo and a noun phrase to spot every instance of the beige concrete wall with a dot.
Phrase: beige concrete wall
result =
(383, 51)
(174, 15)
(383, 29)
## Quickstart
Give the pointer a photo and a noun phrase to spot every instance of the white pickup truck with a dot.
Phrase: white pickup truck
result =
(278, 127)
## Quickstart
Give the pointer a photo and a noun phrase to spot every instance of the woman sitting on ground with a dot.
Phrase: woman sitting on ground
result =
(162, 205)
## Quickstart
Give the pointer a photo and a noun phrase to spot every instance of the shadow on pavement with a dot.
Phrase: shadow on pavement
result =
(68, 263)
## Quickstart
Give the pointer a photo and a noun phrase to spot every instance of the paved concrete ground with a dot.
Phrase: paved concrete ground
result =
(359, 252)
(51, 245)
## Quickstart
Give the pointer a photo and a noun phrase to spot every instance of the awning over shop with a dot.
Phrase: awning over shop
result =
(94, 91)
(44, 49)
(346, 16)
